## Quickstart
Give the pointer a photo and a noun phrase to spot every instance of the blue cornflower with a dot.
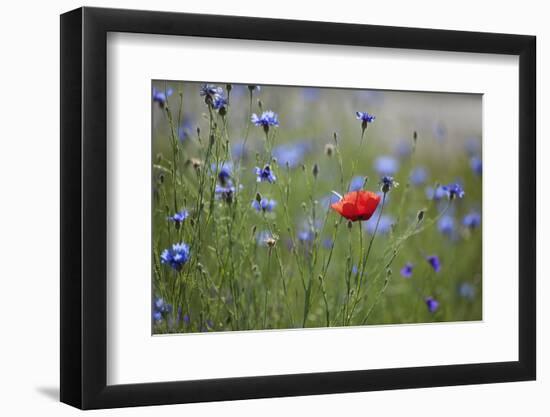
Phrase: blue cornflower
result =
(467, 291)
(364, 117)
(446, 225)
(265, 174)
(161, 97)
(264, 205)
(387, 183)
(432, 304)
(225, 192)
(403, 149)
(160, 309)
(476, 165)
(453, 191)
(356, 183)
(472, 220)
(386, 165)
(434, 262)
(267, 118)
(184, 130)
(354, 270)
(224, 171)
(328, 200)
(306, 235)
(210, 92)
(436, 193)
(384, 227)
(179, 217)
(176, 256)
(327, 243)
(291, 154)
(220, 104)
(419, 175)
(407, 270)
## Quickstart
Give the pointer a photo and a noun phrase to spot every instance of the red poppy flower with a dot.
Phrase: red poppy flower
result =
(357, 205)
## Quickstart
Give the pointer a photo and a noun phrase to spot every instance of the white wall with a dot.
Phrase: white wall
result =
(29, 237)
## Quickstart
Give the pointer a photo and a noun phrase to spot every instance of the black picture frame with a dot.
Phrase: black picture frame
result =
(84, 207)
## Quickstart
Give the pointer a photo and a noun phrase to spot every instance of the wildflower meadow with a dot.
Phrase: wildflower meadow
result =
(278, 207)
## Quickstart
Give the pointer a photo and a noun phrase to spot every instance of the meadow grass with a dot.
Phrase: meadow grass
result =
(244, 237)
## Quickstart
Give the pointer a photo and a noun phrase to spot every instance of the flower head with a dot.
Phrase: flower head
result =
(161, 97)
(384, 226)
(436, 193)
(386, 165)
(225, 192)
(476, 165)
(176, 256)
(291, 154)
(446, 225)
(434, 262)
(467, 291)
(179, 217)
(264, 205)
(265, 174)
(453, 191)
(267, 118)
(387, 183)
(407, 270)
(357, 205)
(210, 92)
(432, 304)
(472, 220)
(224, 171)
(364, 117)
(419, 175)
(220, 103)
(356, 183)
(160, 309)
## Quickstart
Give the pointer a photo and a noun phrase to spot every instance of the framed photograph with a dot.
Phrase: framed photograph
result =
(256, 208)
